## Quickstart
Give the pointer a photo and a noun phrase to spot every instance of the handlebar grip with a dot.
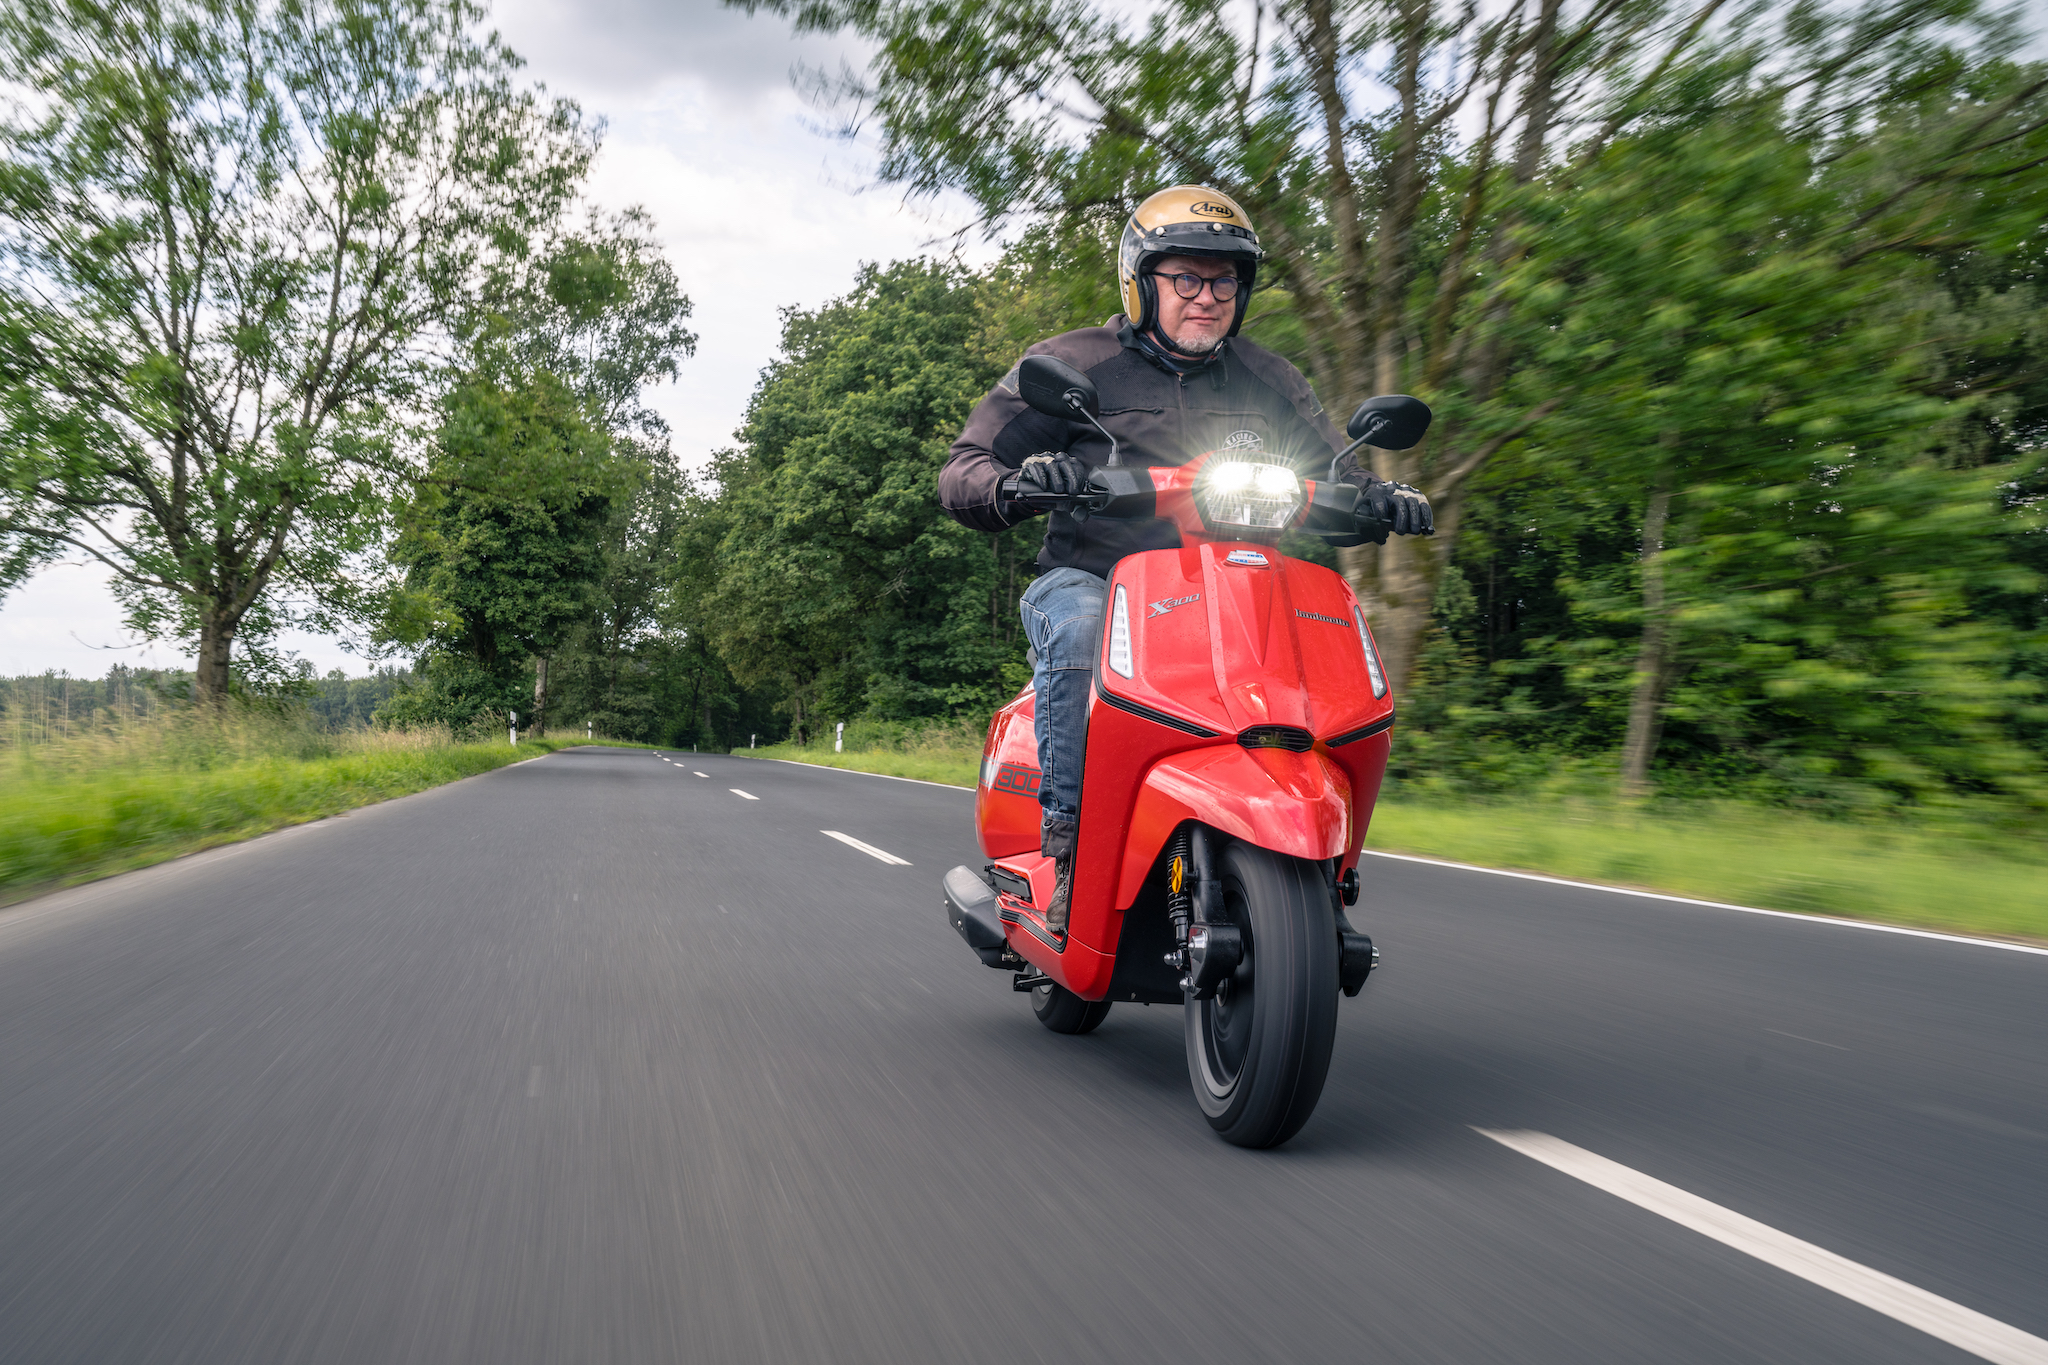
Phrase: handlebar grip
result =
(1010, 489)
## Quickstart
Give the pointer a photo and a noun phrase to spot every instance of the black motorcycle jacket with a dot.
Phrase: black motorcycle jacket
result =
(1162, 411)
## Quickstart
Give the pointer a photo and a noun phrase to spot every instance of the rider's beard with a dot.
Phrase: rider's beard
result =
(1195, 343)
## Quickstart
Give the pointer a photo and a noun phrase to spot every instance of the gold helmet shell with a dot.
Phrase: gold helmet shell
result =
(1186, 220)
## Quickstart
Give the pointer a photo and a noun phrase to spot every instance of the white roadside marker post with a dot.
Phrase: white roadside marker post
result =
(751, 739)
(513, 717)
(839, 739)
(589, 731)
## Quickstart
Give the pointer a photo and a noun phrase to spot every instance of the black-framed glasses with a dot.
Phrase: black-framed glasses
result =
(1188, 285)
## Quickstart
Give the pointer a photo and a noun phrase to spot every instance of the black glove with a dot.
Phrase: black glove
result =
(1402, 507)
(1051, 472)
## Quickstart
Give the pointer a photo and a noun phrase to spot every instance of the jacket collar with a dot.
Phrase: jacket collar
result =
(1148, 344)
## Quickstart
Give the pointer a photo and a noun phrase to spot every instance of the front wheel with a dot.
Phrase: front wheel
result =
(1062, 1011)
(1259, 1050)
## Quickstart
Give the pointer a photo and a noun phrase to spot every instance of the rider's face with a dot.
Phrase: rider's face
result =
(1193, 326)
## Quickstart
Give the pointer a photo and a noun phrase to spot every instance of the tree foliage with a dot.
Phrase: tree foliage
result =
(236, 235)
(838, 584)
(1398, 157)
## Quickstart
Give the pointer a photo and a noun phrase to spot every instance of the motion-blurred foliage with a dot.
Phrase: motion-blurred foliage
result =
(1731, 317)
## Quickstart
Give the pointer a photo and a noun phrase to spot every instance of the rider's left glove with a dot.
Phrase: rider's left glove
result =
(1404, 508)
(1053, 472)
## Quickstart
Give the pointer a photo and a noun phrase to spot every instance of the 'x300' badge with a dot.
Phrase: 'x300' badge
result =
(1167, 604)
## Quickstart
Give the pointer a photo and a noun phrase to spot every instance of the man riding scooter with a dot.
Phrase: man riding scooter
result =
(1175, 380)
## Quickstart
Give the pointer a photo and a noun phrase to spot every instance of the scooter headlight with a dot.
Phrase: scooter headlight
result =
(1254, 494)
(1120, 634)
(1373, 670)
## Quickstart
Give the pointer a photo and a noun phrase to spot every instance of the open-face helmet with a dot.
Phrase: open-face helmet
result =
(1187, 220)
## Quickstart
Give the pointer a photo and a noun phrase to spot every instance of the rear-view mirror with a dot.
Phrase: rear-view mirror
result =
(1393, 421)
(1057, 389)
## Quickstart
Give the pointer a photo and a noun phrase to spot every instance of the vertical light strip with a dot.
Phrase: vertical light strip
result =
(1372, 654)
(1120, 635)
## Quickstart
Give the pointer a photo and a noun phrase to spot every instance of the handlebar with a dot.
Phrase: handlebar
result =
(1093, 500)
(1334, 514)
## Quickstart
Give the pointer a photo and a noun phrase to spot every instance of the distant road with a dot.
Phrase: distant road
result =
(595, 1059)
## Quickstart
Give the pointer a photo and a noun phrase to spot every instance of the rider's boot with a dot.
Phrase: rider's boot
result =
(1062, 894)
(1057, 843)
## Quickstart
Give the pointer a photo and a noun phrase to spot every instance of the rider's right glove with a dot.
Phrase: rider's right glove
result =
(1405, 508)
(1053, 472)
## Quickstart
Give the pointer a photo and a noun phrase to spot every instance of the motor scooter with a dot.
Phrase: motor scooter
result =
(1239, 725)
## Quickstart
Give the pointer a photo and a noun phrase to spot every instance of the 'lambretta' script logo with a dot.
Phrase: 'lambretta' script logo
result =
(1167, 604)
(1318, 616)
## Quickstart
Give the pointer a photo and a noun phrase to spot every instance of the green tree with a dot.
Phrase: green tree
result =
(838, 581)
(1393, 239)
(550, 444)
(232, 232)
(499, 578)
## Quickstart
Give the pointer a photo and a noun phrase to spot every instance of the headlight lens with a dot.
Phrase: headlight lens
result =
(1373, 670)
(1120, 634)
(1250, 493)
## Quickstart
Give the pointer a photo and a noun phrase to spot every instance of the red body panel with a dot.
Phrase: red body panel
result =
(1006, 798)
(1216, 646)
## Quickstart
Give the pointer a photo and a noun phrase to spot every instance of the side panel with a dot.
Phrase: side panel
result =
(1006, 794)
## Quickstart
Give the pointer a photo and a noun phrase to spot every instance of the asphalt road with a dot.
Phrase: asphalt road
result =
(594, 1060)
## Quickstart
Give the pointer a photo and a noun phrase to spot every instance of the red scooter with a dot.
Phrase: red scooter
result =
(1238, 730)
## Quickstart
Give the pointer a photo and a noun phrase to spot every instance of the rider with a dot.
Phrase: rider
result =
(1175, 380)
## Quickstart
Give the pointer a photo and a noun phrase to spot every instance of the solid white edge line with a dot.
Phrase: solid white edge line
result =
(1717, 905)
(748, 795)
(868, 849)
(827, 767)
(1964, 1328)
(1872, 926)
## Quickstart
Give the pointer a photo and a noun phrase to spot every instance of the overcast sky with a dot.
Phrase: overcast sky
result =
(757, 208)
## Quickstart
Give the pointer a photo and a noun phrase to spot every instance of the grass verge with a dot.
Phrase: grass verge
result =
(69, 823)
(959, 767)
(1961, 880)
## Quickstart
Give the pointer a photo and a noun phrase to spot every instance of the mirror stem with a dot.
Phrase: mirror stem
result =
(1377, 424)
(1074, 401)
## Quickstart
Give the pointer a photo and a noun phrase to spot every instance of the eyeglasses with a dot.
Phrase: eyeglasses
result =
(1189, 285)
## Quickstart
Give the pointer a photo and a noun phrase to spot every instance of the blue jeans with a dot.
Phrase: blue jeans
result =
(1062, 613)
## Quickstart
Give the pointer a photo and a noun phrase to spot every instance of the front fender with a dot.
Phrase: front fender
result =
(1296, 804)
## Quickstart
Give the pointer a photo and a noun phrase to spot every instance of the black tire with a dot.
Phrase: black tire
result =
(1062, 1011)
(1259, 1052)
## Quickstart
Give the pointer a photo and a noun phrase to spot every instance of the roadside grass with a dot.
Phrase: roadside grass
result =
(1957, 876)
(958, 767)
(91, 805)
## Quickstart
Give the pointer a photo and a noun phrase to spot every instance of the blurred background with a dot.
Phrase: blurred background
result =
(1731, 316)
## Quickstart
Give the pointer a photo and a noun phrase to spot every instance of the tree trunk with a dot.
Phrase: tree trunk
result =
(1653, 656)
(540, 697)
(210, 673)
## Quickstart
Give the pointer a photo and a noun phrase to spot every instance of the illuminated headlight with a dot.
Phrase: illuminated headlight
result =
(1248, 493)
(1120, 634)
(1372, 656)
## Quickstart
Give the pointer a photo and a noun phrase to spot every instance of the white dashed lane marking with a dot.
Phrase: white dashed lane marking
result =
(703, 774)
(748, 795)
(868, 849)
(1961, 1327)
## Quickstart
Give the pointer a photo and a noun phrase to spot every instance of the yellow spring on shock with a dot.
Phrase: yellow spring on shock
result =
(1180, 886)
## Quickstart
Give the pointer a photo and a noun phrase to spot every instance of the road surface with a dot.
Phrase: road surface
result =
(617, 1057)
